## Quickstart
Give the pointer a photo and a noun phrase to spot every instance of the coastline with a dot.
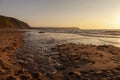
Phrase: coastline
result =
(73, 61)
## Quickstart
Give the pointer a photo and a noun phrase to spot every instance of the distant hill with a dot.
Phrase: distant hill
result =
(12, 23)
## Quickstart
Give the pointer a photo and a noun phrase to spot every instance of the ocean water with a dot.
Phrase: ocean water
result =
(95, 37)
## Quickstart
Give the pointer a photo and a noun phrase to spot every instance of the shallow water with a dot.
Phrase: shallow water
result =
(51, 38)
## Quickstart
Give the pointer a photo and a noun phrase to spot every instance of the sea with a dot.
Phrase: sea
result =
(54, 36)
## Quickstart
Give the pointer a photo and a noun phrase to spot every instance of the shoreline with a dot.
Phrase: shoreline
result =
(73, 61)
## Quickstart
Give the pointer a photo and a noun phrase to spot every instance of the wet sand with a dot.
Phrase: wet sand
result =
(88, 62)
(20, 60)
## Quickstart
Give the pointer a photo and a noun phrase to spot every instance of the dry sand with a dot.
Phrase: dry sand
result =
(73, 61)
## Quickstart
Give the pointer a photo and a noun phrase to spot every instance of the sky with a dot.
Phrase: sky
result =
(86, 14)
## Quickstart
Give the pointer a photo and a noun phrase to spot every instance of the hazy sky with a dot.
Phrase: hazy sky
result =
(60, 13)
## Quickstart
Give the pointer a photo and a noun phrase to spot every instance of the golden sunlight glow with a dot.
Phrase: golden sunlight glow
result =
(118, 20)
(115, 21)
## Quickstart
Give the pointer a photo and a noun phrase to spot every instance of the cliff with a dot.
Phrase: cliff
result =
(12, 23)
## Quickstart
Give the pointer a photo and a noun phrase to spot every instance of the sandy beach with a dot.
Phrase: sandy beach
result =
(10, 41)
(21, 60)
(59, 39)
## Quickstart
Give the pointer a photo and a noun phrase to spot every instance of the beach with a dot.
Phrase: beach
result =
(10, 41)
(43, 56)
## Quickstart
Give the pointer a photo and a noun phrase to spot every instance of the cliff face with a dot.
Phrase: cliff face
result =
(12, 23)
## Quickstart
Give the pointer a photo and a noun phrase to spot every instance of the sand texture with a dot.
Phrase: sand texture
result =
(19, 61)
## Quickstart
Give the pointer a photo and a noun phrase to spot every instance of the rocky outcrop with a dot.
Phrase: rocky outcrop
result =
(12, 23)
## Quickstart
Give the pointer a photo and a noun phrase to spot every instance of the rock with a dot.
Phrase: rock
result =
(24, 77)
(77, 73)
(10, 78)
(99, 72)
(41, 32)
(59, 66)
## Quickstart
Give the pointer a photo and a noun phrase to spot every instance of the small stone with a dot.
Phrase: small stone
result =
(24, 77)
(59, 66)
(77, 73)
(99, 72)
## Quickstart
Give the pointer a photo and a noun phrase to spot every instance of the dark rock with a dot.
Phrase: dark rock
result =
(24, 77)
(35, 76)
(10, 78)
(41, 32)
